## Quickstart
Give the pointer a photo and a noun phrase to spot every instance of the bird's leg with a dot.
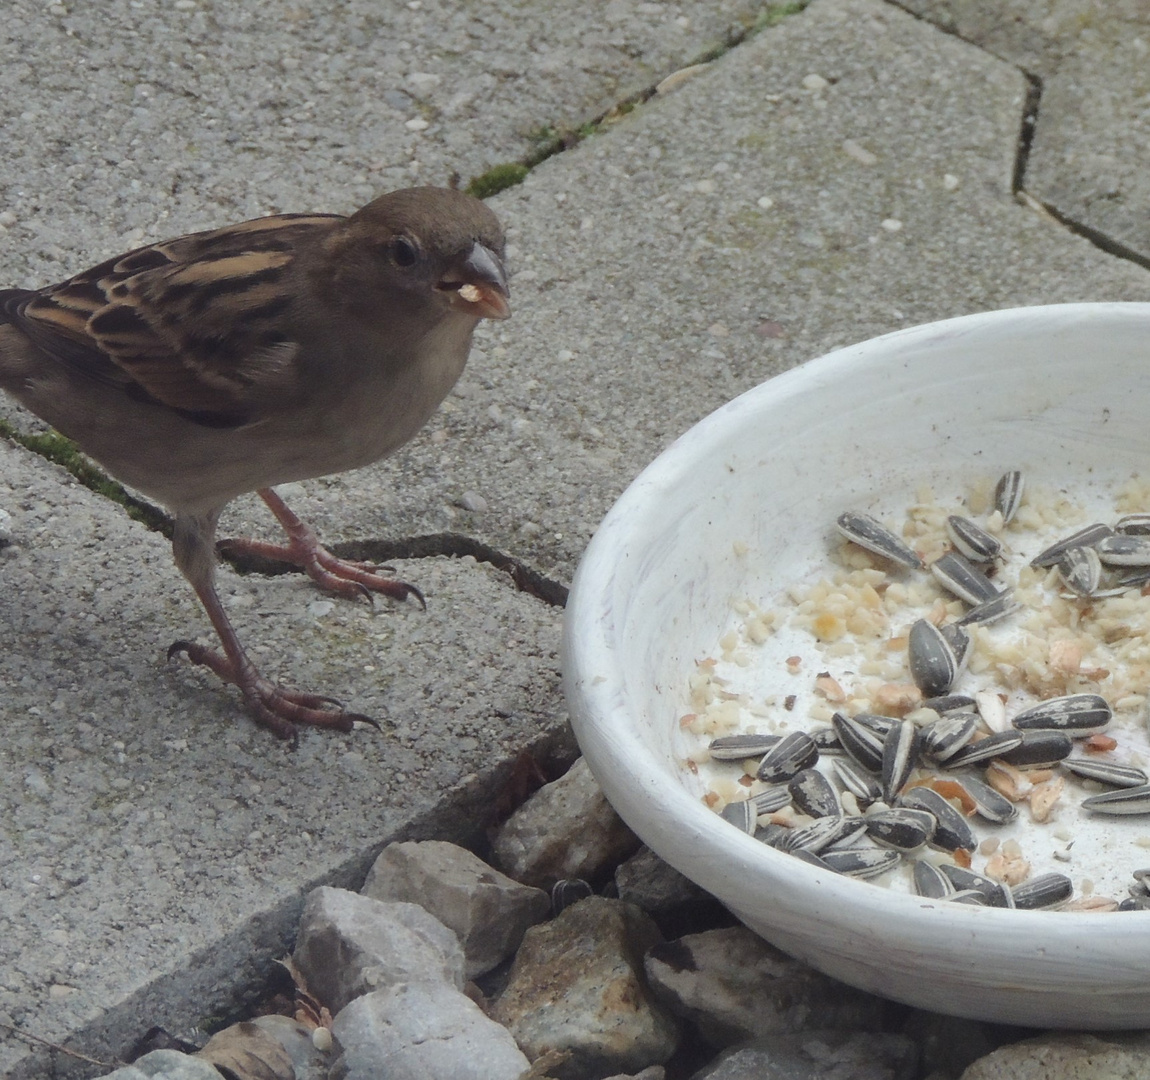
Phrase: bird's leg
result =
(274, 708)
(340, 576)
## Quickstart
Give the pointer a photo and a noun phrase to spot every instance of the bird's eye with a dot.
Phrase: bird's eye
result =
(404, 251)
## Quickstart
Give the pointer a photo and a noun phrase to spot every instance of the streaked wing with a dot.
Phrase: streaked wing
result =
(196, 322)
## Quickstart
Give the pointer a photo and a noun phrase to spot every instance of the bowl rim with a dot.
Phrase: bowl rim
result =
(635, 781)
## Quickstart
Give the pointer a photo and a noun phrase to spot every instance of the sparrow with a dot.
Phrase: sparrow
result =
(278, 349)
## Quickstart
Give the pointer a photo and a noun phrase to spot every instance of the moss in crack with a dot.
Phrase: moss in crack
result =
(497, 178)
(63, 452)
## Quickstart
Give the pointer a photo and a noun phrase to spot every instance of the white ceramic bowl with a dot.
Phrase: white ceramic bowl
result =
(1062, 392)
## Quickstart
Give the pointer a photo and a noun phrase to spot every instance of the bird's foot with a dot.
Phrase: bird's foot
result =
(343, 577)
(274, 708)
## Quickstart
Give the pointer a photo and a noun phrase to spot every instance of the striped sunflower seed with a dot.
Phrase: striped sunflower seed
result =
(790, 755)
(869, 533)
(1008, 494)
(814, 794)
(958, 575)
(1124, 801)
(1106, 772)
(740, 747)
(952, 831)
(1085, 537)
(1044, 891)
(972, 540)
(1076, 714)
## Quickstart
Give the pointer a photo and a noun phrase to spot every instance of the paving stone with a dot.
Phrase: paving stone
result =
(577, 988)
(422, 1031)
(566, 829)
(1090, 155)
(1067, 1056)
(488, 912)
(166, 1065)
(350, 945)
(733, 986)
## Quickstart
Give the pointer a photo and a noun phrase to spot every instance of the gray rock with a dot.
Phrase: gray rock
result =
(487, 910)
(655, 886)
(351, 945)
(817, 1055)
(567, 829)
(422, 1031)
(1067, 1056)
(733, 986)
(166, 1065)
(309, 1063)
(951, 1043)
(577, 986)
(652, 1072)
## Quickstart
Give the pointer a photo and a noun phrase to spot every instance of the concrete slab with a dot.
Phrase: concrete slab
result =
(154, 844)
(1090, 156)
(841, 175)
(137, 121)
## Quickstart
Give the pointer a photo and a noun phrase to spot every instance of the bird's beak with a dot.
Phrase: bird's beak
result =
(478, 285)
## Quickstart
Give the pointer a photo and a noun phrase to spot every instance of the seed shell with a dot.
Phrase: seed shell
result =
(1124, 550)
(958, 575)
(1085, 537)
(1043, 891)
(1106, 772)
(991, 611)
(988, 803)
(742, 815)
(946, 736)
(869, 533)
(1008, 494)
(860, 742)
(1039, 748)
(952, 830)
(1076, 714)
(930, 881)
(819, 834)
(1081, 570)
(813, 794)
(1125, 801)
(855, 779)
(899, 758)
(933, 664)
(995, 893)
(1133, 525)
(901, 827)
(862, 862)
(741, 747)
(972, 540)
(774, 798)
(991, 747)
(792, 754)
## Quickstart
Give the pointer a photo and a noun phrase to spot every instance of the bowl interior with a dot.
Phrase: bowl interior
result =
(737, 507)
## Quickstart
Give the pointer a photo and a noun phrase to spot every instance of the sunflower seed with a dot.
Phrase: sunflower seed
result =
(740, 747)
(862, 862)
(813, 837)
(967, 896)
(809, 857)
(930, 881)
(992, 709)
(949, 703)
(1085, 537)
(774, 798)
(1081, 570)
(862, 744)
(991, 747)
(1124, 550)
(1043, 891)
(1106, 772)
(792, 754)
(995, 893)
(1008, 494)
(946, 736)
(901, 827)
(1131, 800)
(899, 757)
(827, 740)
(959, 642)
(988, 803)
(852, 835)
(958, 575)
(1134, 579)
(813, 794)
(991, 611)
(1076, 714)
(933, 665)
(1039, 748)
(742, 815)
(860, 783)
(1133, 525)
(972, 540)
(952, 831)
(867, 532)
(771, 834)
